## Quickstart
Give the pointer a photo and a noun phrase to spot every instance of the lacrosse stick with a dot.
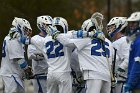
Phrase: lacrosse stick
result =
(97, 19)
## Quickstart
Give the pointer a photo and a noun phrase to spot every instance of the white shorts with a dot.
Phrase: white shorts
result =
(118, 88)
(13, 85)
(97, 86)
(58, 82)
(40, 84)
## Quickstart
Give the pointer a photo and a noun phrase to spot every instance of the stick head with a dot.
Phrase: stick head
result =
(97, 18)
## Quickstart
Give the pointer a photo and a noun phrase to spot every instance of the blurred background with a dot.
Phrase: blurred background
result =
(74, 11)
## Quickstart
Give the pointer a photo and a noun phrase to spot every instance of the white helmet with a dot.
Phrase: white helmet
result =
(88, 25)
(115, 25)
(135, 18)
(60, 22)
(43, 21)
(22, 25)
(15, 21)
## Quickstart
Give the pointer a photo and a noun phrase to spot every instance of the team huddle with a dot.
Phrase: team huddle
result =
(64, 61)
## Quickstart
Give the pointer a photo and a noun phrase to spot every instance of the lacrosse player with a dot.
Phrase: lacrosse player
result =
(39, 63)
(115, 29)
(94, 56)
(133, 81)
(58, 79)
(13, 65)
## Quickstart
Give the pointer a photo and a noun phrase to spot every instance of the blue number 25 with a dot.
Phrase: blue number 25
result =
(54, 49)
(95, 50)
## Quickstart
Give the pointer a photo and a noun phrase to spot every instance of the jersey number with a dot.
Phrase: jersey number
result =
(3, 49)
(100, 48)
(54, 49)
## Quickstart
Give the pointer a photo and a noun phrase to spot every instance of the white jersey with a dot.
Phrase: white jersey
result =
(39, 67)
(92, 55)
(58, 56)
(11, 49)
(122, 52)
(74, 61)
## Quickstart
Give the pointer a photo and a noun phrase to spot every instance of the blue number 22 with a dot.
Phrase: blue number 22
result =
(54, 49)
(95, 50)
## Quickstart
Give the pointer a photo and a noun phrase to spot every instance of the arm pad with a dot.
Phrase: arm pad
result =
(22, 63)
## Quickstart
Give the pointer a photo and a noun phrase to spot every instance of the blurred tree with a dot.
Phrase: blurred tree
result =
(75, 11)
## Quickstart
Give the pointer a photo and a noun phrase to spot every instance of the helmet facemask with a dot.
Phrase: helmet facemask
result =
(115, 25)
(110, 30)
(133, 27)
(44, 28)
(27, 31)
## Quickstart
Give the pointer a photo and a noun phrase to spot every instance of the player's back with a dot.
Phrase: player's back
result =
(96, 56)
(122, 49)
(11, 49)
(122, 55)
(57, 55)
(39, 66)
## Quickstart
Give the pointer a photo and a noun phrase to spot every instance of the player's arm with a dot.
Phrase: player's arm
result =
(80, 43)
(66, 40)
(80, 33)
(124, 56)
(16, 53)
(24, 66)
(34, 54)
(91, 34)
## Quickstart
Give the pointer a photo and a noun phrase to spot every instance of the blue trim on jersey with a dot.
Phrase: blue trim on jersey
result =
(23, 65)
(3, 49)
(134, 65)
(19, 30)
(17, 81)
